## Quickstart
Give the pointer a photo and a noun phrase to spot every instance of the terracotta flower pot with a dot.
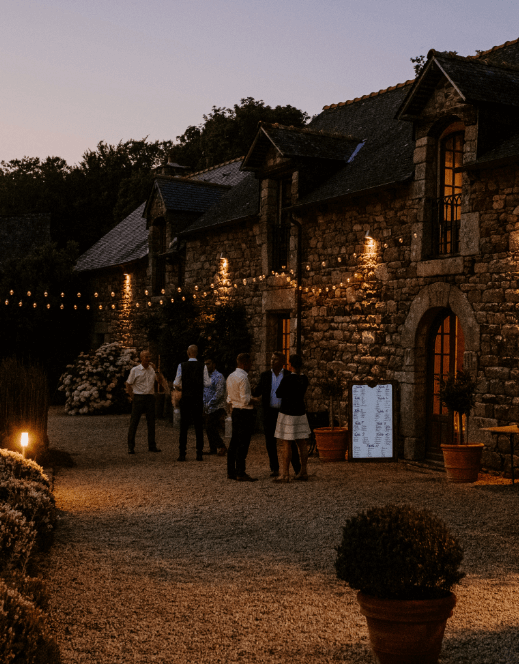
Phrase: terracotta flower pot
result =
(332, 444)
(462, 462)
(406, 631)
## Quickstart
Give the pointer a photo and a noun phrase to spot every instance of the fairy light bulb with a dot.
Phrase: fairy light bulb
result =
(112, 294)
(11, 292)
(28, 293)
(61, 306)
(48, 306)
(163, 292)
(34, 305)
(87, 306)
(96, 294)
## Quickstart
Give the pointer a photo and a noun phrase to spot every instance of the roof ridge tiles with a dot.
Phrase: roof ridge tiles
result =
(494, 48)
(188, 180)
(212, 168)
(308, 130)
(372, 94)
(482, 61)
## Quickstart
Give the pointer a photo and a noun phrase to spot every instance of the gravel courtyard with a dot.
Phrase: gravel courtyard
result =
(160, 561)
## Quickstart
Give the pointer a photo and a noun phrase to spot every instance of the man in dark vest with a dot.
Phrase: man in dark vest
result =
(192, 376)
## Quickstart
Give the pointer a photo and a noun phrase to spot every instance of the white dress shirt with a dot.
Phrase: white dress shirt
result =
(238, 390)
(142, 380)
(178, 378)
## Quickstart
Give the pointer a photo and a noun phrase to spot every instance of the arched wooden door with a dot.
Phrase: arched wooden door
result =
(445, 349)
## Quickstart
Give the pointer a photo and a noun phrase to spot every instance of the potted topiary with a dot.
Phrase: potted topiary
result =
(462, 460)
(332, 441)
(404, 563)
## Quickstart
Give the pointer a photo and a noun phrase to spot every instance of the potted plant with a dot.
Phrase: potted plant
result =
(404, 563)
(462, 460)
(332, 441)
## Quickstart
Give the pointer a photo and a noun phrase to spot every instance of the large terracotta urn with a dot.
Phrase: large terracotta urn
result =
(462, 462)
(406, 631)
(332, 443)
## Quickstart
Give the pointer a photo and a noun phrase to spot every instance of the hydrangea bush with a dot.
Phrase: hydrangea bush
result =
(14, 465)
(95, 382)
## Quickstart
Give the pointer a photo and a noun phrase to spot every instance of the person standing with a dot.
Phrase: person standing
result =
(215, 399)
(141, 390)
(269, 382)
(191, 378)
(292, 424)
(241, 401)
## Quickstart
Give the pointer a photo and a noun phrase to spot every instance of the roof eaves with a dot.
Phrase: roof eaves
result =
(227, 222)
(352, 194)
(372, 94)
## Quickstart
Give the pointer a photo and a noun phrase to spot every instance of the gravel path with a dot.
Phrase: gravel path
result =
(159, 561)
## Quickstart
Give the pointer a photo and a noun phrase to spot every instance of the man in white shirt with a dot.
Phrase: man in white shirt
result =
(192, 376)
(141, 389)
(242, 403)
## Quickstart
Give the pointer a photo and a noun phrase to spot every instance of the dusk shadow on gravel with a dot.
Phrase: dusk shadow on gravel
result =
(498, 646)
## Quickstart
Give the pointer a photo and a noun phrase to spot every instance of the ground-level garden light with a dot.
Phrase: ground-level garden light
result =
(24, 442)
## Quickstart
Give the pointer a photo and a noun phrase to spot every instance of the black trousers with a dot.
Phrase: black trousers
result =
(142, 404)
(269, 425)
(191, 414)
(214, 425)
(242, 428)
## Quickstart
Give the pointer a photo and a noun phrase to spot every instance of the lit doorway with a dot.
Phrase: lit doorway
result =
(445, 350)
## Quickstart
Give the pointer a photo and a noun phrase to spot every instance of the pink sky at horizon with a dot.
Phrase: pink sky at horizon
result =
(76, 73)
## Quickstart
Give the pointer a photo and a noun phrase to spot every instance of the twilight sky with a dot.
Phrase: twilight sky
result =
(74, 72)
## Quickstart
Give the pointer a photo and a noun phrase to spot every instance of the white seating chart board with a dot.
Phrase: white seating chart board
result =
(372, 422)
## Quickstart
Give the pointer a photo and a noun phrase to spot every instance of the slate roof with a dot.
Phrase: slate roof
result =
(228, 173)
(504, 53)
(507, 151)
(185, 195)
(125, 243)
(386, 156)
(20, 234)
(298, 142)
(475, 80)
(241, 202)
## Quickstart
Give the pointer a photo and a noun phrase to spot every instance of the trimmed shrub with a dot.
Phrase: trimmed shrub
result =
(35, 502)
(13, 465)
(398, 552)
(95, 383)
(17, 537)
(24, 638)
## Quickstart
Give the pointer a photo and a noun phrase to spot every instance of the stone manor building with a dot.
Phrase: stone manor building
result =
(382, 238)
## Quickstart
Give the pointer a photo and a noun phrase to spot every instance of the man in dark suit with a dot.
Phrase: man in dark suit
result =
(266, 388)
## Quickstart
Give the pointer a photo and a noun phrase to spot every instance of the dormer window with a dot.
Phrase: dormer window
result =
(446, 236)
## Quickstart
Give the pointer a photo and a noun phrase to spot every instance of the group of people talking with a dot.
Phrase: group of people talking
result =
(204, 397)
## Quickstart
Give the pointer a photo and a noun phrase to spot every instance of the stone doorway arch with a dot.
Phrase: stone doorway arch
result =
(424, 309)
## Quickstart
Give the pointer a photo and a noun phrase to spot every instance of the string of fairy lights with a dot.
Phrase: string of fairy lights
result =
(221, 287)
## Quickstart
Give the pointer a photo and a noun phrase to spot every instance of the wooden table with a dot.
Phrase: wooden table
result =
(510, 430)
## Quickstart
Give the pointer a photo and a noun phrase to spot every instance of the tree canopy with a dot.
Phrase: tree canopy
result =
(227, 133)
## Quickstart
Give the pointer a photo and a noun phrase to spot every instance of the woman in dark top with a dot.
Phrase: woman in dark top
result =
(292, 423)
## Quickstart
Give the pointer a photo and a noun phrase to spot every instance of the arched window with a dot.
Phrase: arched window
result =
(446, 235)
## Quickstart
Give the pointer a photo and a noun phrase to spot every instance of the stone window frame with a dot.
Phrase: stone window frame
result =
(427, 189)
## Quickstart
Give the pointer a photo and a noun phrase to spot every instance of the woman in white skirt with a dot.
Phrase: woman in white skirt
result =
(292, 423)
